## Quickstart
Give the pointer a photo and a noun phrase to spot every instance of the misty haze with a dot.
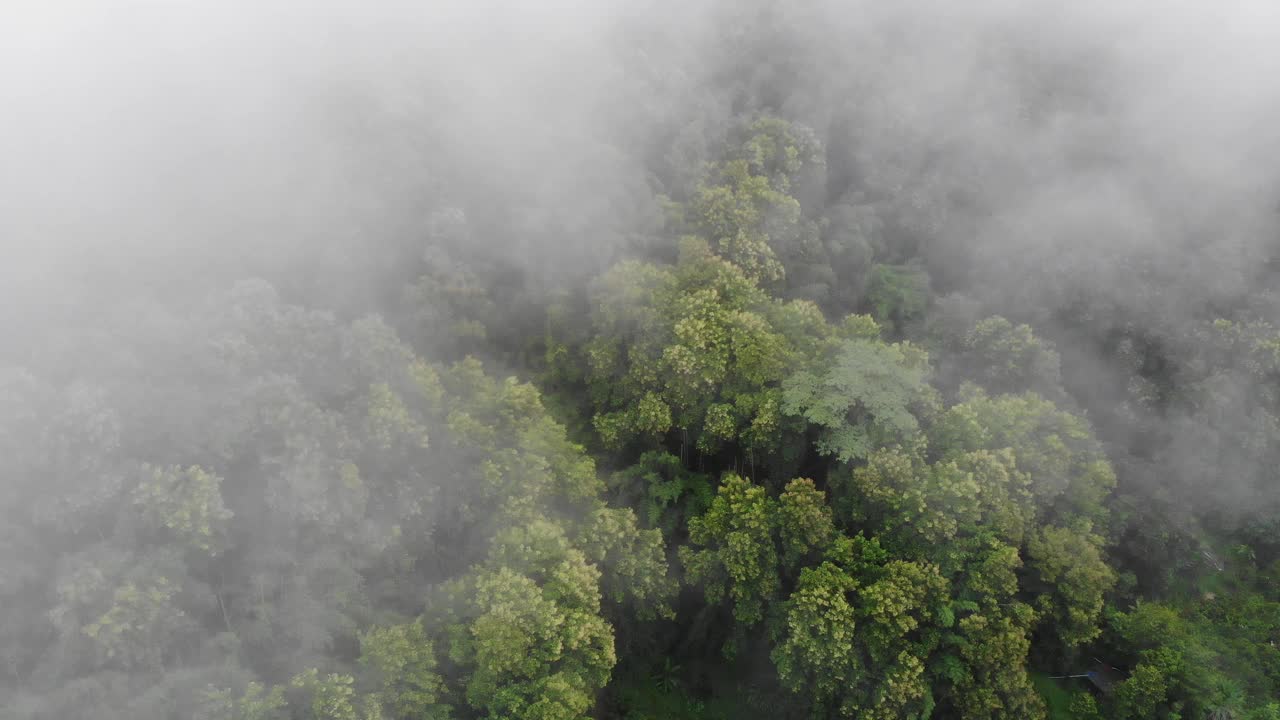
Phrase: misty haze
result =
(639, 360)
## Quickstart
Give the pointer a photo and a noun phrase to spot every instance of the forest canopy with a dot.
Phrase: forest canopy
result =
(598, 360)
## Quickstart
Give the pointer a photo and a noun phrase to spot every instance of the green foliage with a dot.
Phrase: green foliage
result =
(698, 348)
(1200, 657)
(857, 648)
(331, 697)
(779, 150)
(634, 561)
(402, 659)
(733, 212)
(994, 650)
(817, 653)
(1142, 694)
(733, 551)
(1005, 358)
(187, 502)
(745, 209)
(668, 493)
(346, 517)
(860, 612)
(897, 294)
(537, 652)
(420, 539)
(449, 302)
(804, 522)
(860, 398)
(139, 627)
(1083, 707)
(389, 421)
(1057, 450)
(1069, 563)
(257, 703)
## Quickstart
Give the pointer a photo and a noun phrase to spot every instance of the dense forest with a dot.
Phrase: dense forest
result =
(761, 359)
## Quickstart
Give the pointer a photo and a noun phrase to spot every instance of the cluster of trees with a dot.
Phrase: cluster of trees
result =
(328, 524)
(862, 505)
(803, 435)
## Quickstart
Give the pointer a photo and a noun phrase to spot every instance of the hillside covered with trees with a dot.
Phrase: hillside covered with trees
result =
(778, 360)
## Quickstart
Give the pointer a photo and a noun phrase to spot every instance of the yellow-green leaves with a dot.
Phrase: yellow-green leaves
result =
(739, 556)
(780, 150)
(389, 421)
(187, 502)
(403, 662)
(899, 602)
(332, 697)
(926, 506)
(733, 213)
(537, 652)
(1075, 577)
(816, 652)
(633, 560)
(804, 521)
(852, 640)
(525, 459)
(257, 703)
(650, 417)
(745, 209)
(1067, 470)
(995, 684)
(697, 348)
(136, 630)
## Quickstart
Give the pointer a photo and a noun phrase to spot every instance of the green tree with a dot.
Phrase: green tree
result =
(1075, 580)
(994, 682)
(257, 703)
(1008, 358)
(633, 560)
(536, 652)
(897, 294)
(331, 697)
(860, 397)
(698, 349)
(1070, 477)
(403, 663)
(746, 209)
(187, 502)
(804, 522)
(732, 549)
(817, 655)
(138, 628)
(668, 493)
(854, 635)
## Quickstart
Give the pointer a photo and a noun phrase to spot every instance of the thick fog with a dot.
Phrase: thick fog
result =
(147, 136)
